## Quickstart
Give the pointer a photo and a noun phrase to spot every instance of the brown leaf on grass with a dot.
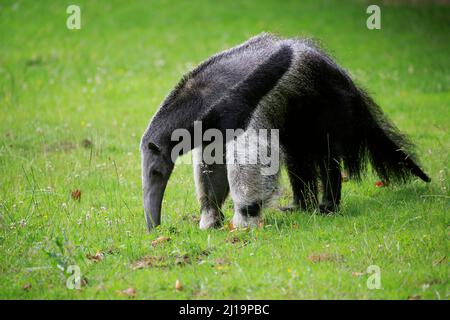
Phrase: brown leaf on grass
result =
(130, 292)
(178, 285)
(26, 286)
(322, 257)
(415, 297)
(357, 274)
(160, 240)
(76, 194)
(98, 256)
(379, 184)
(148, 262)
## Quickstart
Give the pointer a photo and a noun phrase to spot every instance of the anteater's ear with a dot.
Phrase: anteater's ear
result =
(235, 108)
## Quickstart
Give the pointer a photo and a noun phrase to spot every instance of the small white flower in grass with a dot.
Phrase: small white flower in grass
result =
(88, 215)
(22, 223)
(12, 225)
(80, 221)
(64, 205)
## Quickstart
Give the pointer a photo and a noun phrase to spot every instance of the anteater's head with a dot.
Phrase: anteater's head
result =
(156, 169)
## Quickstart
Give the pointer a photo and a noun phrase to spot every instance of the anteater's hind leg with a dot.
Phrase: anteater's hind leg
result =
(330, 175)
(302, 177)
(212, 188)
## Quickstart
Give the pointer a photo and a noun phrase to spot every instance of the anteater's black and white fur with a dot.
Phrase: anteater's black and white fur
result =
(326, 123)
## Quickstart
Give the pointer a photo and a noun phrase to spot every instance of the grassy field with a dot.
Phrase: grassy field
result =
(74, 104)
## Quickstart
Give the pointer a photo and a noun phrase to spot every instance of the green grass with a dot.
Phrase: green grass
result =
(104, 82)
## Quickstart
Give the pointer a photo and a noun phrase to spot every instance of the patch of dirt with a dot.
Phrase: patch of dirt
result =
(440, 261)
(60, 146)
(169, 261)
(323, 257)
(182, 260)
(149, 262)
(87, 143)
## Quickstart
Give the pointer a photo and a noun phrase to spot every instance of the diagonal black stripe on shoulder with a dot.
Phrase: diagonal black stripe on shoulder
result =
(265, 77)
(236, 107)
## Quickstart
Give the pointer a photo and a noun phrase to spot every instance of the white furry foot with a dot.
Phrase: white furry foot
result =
(210, 219)
(241, 221)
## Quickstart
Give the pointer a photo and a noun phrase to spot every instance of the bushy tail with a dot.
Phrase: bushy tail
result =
(389, 151)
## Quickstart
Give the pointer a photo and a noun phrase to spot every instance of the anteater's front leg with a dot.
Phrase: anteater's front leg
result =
(212, 188)
(250, 191)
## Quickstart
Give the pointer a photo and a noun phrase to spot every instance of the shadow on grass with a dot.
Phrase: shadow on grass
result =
(354, 205)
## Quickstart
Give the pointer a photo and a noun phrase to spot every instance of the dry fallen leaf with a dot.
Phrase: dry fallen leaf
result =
(76, 195)
(98, 256)
(178, 285)
(159, 240)
(416, 297)
(358, 274)
(231, 226)
(379, 184)
(130, 292)
(26, 286)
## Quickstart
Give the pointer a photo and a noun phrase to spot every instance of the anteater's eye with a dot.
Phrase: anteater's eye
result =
(154, 147)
